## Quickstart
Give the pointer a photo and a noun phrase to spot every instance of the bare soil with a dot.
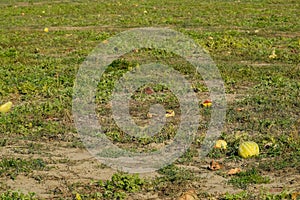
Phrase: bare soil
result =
(67, 165)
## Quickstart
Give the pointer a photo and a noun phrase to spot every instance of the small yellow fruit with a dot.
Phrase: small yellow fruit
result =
(248, 149)
(207, 103)
(170, 113)
(78, 196)
(273, 55)
(221, 144)
(6, 107)
(46, 30)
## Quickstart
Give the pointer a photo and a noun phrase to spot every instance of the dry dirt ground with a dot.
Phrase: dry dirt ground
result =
(68, 165)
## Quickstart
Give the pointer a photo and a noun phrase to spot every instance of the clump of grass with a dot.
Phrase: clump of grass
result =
(3, 142)
(263, 195)
(13, 166)
(14, 195)
(119, 184)
(175, 174)
(244, 179)
(118, 188)
(237, 196)
(173, 179)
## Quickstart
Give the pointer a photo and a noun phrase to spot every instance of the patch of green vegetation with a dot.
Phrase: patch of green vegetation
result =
(13, 166)
(219, 153)
(282, 195)
(14, 195)
(118, 188)
(238, 196)
(38, 70)
(173, 179)
(289, 160)
(3, 142)
(244, 195)
(175, 174)
(252, 176)
(125, 182)
(188, 156)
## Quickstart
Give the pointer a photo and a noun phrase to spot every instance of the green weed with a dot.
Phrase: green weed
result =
(13, 166)
(14, 195)
(120, 184)
(252, 176)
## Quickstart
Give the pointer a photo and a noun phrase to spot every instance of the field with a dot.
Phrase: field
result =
(255, 45)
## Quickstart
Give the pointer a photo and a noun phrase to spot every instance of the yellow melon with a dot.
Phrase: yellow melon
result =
(248, 149)
(6, 107)
(221, 144)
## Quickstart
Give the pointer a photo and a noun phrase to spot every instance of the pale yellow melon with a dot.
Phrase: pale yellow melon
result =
(248, 149)
(6, 107)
